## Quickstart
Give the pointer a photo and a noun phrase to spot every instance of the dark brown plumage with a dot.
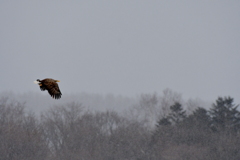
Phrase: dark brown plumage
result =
(51, 86)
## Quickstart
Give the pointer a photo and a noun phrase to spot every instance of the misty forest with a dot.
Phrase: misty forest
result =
(149, 127)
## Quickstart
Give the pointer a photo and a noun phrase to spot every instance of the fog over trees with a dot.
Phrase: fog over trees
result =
(95, 127)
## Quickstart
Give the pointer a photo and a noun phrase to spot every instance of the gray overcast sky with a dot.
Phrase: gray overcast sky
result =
(122, 47)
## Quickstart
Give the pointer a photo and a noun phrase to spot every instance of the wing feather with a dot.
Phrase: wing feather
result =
(52, 87)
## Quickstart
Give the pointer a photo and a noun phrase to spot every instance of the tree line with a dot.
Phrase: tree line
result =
(73, 132)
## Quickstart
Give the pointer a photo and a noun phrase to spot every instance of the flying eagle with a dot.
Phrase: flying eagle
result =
(51, 86)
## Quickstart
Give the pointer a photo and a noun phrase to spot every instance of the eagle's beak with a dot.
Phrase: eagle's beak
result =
(58, 81)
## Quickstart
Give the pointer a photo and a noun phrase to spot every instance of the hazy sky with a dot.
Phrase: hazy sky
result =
(125, 47)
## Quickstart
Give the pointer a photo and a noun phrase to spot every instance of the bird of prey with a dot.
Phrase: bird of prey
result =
(51, 86)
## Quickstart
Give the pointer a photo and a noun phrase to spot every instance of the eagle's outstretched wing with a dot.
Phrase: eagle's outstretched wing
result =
(54, 90)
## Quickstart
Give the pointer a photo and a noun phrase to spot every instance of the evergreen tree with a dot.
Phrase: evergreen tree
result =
(200, 118)
(224, 114)
(196, 128)
(177, 113)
